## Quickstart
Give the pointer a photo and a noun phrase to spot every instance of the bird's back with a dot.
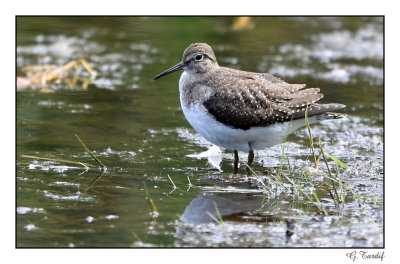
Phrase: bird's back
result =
(243, 99)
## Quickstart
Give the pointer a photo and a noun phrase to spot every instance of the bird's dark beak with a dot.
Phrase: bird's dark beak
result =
(175, 68)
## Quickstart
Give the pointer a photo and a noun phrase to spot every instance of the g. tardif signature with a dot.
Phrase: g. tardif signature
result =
(365, 255)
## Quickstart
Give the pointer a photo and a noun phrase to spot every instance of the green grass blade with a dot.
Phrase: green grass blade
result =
(59, 160)
(355, 195)
(218, 213)
(338, 162)
(93, 182)
(152, 205)
(88, 151)
(311, 138)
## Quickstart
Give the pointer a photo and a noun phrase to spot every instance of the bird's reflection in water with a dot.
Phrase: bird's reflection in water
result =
(212, 208)
(203, 208)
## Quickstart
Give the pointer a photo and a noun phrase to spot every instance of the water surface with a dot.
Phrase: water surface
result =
(135, 126)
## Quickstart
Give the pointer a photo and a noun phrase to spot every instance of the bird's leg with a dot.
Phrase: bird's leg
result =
(236, 162)
(250, 158)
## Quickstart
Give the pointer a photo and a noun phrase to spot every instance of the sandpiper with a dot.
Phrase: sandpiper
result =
(243, 111)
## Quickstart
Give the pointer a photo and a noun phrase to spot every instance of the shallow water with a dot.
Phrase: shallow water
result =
(135, 126)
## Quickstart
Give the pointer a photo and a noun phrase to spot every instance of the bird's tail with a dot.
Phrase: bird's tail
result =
(327, 113)
(330, 115)
(321, 111)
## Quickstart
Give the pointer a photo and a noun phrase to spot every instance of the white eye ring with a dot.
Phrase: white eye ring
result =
(199, 57)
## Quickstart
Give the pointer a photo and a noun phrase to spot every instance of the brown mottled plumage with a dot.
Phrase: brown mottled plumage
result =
(226, 105)
(244, 100)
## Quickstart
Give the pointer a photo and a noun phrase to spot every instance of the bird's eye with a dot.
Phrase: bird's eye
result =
(198, 57)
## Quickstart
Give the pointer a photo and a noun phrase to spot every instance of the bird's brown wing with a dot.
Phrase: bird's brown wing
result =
(245, 101)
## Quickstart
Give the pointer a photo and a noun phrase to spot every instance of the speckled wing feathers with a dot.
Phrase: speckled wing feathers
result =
(269, 78)
(244, 99)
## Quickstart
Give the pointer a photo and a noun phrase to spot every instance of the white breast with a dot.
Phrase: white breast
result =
(230, 138)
